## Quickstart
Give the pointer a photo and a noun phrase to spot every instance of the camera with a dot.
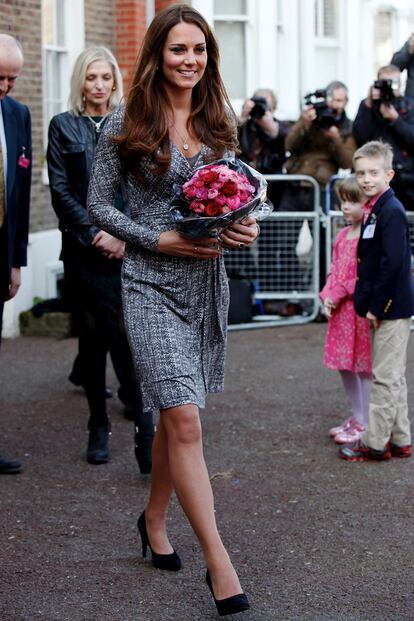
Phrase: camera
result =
(325, 116)
(259, 108)
(386, 89)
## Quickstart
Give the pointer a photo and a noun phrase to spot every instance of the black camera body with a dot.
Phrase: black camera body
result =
(325, 116)
(259, 109)
(386, 89)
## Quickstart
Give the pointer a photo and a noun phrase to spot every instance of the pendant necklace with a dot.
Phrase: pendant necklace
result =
(97, 123)
(186, 146)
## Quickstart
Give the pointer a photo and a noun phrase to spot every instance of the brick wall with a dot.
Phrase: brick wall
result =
(22, 19)
(99, 23)
(118, 24)
(130, 27)
(163, 4)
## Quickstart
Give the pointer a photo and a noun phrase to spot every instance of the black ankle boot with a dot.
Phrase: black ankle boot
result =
(144, 436)
(97, 452)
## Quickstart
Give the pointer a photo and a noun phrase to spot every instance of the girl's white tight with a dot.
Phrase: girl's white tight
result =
(358, 388)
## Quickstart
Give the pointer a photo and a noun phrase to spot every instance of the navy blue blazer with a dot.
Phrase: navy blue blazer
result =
(384, 281)
(17, 128)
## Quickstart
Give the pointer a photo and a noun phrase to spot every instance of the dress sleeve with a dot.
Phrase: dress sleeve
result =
(338, 289)
(106, 176)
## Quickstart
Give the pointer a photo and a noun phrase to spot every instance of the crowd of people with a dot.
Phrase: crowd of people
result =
(128, 273)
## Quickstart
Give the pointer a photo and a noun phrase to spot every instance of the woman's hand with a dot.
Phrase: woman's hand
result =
(111, 247)
(240, 234)
(172, 243)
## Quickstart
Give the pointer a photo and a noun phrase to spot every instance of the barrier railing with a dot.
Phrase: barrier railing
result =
(283, 265)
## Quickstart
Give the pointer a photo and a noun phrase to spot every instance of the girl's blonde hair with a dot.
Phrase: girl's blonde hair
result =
(77, 81)
(348, 190)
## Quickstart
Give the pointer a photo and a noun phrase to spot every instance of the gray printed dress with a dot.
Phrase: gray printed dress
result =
(175, 307)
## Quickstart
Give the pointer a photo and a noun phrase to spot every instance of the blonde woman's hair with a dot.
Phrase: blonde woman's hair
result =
(77, 81)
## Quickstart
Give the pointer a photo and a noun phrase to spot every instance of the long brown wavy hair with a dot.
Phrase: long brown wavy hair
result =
(145, 129)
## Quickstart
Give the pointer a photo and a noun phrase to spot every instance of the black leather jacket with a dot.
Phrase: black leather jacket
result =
(70, 153)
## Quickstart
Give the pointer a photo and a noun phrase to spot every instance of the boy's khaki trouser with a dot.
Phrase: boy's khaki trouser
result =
(388, 407)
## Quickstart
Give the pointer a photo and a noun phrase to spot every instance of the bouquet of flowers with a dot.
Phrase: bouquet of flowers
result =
(216, 195)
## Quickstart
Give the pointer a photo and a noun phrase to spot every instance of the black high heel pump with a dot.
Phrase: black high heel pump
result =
(229, 605)
(171, 562)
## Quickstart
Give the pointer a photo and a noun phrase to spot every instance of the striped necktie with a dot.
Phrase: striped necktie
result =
(2, 199)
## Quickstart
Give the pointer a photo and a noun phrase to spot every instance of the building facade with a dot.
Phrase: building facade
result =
(291, 46)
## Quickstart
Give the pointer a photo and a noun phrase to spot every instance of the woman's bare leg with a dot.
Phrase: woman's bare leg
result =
(192, 485)
(161, 490)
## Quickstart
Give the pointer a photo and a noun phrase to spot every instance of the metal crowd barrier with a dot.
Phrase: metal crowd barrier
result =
(275, 266)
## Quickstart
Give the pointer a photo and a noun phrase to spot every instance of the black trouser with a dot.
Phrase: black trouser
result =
(101, 330)
(101, 334)
(93, 291)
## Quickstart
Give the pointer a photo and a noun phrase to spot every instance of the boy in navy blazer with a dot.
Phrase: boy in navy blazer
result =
(15, 178)
(384, 294)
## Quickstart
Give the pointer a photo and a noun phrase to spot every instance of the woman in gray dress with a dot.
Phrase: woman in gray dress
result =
(175, 291)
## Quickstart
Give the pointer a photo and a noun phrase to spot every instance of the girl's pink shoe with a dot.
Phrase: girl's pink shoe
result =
(351, 435)
(347, 424)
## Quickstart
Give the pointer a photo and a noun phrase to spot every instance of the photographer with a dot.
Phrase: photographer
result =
(261, 135)
(404, 59)
(386, 115)
(321, 141)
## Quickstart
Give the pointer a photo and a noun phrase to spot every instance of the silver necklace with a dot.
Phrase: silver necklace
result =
(97, 123)
(186, 146)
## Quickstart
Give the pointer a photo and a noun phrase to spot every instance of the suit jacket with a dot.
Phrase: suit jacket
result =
(17, 129)
(384, 281)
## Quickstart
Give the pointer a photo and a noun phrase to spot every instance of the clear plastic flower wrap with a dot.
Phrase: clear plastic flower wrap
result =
(216, 195)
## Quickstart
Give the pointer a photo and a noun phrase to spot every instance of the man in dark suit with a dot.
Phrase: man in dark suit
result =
(15, 178)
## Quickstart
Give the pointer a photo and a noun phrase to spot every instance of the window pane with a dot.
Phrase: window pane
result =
(316, 17)
(52, 80)
(383, 38)
(60, 29)
(47, 23)
(329, 18)
(231, 38)
(230, 7)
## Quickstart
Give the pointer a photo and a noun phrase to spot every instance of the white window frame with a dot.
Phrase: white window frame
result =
(74, 37)
(249, 50)
(321, 39)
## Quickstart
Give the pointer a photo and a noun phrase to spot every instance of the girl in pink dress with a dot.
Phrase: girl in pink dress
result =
(348, 339)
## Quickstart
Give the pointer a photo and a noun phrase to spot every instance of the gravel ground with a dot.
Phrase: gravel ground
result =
(313, 538)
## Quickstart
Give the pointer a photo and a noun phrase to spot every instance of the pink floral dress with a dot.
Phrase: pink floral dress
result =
(348, 337)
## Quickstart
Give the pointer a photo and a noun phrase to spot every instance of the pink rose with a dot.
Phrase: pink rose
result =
(233, 202)
(212, 194)
(197, 207)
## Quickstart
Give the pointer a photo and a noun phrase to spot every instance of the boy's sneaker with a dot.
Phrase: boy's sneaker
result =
(350, 435)
(360, 452)
(347, 424)
(400, 451)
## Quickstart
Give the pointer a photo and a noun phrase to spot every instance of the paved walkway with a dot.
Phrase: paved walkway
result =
(313, 538)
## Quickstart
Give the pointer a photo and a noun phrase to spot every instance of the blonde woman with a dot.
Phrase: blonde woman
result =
(92, 258)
